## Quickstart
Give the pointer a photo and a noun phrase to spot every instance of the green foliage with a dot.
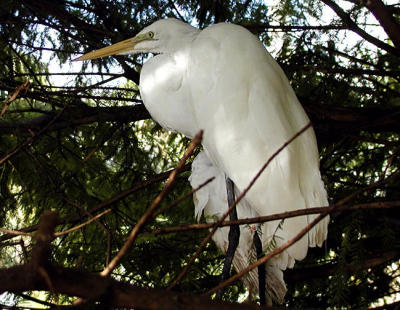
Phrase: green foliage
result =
(72, 157)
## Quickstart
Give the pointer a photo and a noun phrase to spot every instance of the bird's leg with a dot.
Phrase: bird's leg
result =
(261, 268)
(233, 236)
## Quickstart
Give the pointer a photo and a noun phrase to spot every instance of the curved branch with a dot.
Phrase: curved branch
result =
(152, 208)
(385, 18)
(354, 27)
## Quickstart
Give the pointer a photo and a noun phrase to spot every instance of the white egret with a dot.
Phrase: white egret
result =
(211, 200)
(222, 80)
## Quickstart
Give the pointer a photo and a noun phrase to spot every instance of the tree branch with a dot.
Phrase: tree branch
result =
(346, 71)
(31, 139)
(328, 269)
(266, 27)
(74, 282)
(243, 193)
(339, 205)
(354, 27)
(385, 18)
(39, 274)
(149, 213)
(277, 216)
(77, 116)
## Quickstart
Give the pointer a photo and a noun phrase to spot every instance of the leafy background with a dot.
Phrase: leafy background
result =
(78, 136)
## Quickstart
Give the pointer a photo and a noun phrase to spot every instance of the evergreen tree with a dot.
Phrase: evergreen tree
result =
(84, 144)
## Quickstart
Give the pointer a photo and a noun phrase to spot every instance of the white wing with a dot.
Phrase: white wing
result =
(212, 200)
(164, 89)
(247, 108)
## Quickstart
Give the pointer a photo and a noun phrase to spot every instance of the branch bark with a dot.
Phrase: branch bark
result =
(385, 18)
(354, 27)
(74, 282)
(329, 121)
(218, 223)
(39, 274)
(77, 116)
(150, 211)
(326, 270)
(278, 216)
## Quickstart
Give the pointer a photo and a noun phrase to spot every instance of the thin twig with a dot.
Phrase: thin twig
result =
(353, 26)
(269, 255)
(136, 187)
(14, 232)
(178, 201)
(238, 199)
(101, 225)
(94, 218)
(302, 232)
(14, 96)
(30, 140)
(148, 214)
(273, 217)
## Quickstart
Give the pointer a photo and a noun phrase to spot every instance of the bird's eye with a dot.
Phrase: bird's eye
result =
(151, 34)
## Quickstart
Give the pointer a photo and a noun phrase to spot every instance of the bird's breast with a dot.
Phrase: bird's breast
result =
(165, 94)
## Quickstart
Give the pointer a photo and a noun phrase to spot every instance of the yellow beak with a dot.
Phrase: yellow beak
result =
(122, 47)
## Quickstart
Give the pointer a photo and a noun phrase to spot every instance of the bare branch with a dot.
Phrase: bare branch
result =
(14, 232)
(14, 96)
(277, 216)
(94, 218)
(269, 255)
(329, 268)
(238, 199)
(136, 187)
(149, 213)
(385, 18)
(74, 282)
(354, 27)
(30, 140)
(301, 233)
(178, 201)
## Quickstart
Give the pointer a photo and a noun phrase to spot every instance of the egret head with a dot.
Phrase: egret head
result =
(163, 36)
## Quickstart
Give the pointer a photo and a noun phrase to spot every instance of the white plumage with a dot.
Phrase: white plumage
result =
(211, 200)
(223, 81)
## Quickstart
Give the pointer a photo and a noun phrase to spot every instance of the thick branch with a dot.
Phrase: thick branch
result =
(332, 121)
(385, 18)
(328, 120)
(75, 282)
(39, 274)
(352, 25)
(76, 116)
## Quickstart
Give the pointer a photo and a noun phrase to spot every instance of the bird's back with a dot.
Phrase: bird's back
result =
(247, 108)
